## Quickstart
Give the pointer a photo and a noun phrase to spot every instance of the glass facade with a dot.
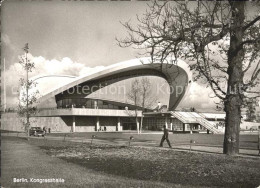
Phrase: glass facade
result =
(89, 103)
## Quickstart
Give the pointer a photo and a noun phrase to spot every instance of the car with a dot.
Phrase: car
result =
(36, 131)
(253, 128)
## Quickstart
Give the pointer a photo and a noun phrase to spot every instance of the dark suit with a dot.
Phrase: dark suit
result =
(165, 137)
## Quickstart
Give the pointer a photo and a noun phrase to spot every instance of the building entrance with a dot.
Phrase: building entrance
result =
(129, 126)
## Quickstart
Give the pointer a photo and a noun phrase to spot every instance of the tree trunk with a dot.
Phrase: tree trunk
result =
(232, 121)
(27, 102)
(28, 127)
(141, 123)
(233, 100)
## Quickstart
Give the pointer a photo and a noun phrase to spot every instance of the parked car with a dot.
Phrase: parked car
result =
(37, 131)
(253, 128)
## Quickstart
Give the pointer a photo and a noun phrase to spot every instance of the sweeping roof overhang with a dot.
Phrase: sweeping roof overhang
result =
(178, 75)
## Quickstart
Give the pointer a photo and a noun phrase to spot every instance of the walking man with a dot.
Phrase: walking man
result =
(165, 137)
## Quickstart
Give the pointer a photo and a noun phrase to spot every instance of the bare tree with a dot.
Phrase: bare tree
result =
(28, 92)
(133, 95)
(140, 94)
(146, 97)
(219, 39)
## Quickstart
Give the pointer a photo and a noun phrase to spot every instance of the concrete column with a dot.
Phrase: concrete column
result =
(171, 124)
(118, 128)
(73, 124)
(97, 124)
(137, 126)
(183, 127)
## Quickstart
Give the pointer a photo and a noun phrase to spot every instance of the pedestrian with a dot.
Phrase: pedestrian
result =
(105, 128)
(165, 137)
(49, 130)
(44, 130)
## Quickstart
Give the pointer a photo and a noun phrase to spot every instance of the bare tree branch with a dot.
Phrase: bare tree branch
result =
(251, 23)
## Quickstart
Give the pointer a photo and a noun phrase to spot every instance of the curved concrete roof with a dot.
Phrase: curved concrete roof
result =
(49, 83)
(178, 76)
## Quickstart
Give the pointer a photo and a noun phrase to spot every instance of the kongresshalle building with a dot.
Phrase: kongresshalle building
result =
(87, 103)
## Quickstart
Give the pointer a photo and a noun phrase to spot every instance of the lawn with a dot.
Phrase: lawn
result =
(158, 164)
(23, 159)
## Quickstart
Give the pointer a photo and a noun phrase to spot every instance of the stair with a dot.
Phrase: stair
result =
(181, 118)
(205, 123)
(195, 118)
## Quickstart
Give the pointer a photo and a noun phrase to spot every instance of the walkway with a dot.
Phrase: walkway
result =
(147, 143)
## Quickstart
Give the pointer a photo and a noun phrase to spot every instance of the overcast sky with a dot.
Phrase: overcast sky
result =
(72, 38)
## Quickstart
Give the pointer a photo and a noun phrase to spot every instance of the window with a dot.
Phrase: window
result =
(88, 104)
(65, 103)
(59, 104)
(100, 104)
(82, 102)
(115, 107)
(110, 106)
(92, 103)
(105, 105)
